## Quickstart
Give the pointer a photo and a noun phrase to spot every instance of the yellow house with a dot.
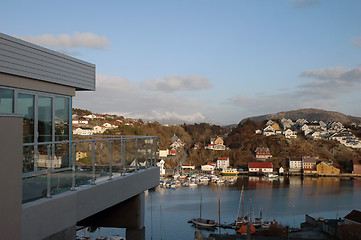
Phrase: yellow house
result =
(80, 155)
(326, 169)
(276, 127)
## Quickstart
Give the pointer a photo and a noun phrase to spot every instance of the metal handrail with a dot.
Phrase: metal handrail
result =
(73, 144)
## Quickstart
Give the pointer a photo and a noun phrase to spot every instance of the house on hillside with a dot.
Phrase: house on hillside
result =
(354, 217)
(198, 145)
(260, 167)
(324, 168)
(277, 128)
(263, 153)
(222, 163)
(356, 165)
(269, 122)
(99, 129)
(290, 134)
(216, 144)
(83, 131)
(269, 131)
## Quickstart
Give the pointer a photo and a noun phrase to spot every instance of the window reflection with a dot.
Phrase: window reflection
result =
(45, 119)
(61, 118)
(28, 159)
(26, 108)
(6, 100)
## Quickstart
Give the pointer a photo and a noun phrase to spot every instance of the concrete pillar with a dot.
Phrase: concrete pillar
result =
(135, 233)
(11, 156)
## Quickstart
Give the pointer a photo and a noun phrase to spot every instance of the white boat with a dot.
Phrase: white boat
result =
(229, 172)
(201, 222)
(192, 185)
(271, 175)
(115, 237)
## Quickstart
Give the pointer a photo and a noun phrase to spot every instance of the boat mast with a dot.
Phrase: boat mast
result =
(242, 201)
(219, 215)
(200, 208)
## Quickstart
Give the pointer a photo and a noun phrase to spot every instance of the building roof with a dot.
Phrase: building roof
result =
(35, 62)
(223, 158)
(354, 216)
(262, 149)
(260, 165)
(307, 159)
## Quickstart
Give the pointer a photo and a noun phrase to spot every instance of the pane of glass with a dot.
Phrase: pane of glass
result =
(62, 113)
(28, 159)
(45, 122)
(44, 153)
(6, 100)
(62, 155)
(26, 107)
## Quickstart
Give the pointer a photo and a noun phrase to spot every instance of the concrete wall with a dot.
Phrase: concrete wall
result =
(11, 176)
(21, 58)
(45, 217)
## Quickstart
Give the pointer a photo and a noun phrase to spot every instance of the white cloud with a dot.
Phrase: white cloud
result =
(326, 90)
(305, 3)
(335, 73)
(82, 40)
(118, 95)
(177, 83)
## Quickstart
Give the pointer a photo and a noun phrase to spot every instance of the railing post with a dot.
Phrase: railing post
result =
(146, 152)
(48, 165)
(73, 166)
(136, 154)
(122, 154)
(151, 153)
(155, 151)
(93, 162)
(111, 161)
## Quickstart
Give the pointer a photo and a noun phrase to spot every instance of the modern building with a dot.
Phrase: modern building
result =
(37, 149)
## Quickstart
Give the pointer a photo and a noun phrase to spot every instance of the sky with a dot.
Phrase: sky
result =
(203, 60)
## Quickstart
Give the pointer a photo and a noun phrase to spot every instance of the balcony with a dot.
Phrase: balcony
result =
(86, 160)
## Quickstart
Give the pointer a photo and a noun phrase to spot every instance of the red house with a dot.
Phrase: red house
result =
(262, 153)
(260, 167)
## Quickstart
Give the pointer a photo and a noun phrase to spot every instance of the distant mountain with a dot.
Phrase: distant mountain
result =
(310, 114)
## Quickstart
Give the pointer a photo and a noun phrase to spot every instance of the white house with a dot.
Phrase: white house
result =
(80, 121)
(295, 164)
(290, 134)
(222, 163)
(188, 166)
(268, 131)
(260, 167)
(163, 153)
(83, 131)
(99, 129)
(208, 167)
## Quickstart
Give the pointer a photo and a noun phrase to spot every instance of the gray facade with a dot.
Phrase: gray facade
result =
(24, 59)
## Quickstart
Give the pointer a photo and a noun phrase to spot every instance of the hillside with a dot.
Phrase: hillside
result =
(310, 114)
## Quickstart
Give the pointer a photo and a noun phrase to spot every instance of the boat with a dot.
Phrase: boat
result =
(202, 222)
(192, 185)
(229, 172)
(271, 175)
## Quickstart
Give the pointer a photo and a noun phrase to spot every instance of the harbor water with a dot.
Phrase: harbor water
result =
(286, 200)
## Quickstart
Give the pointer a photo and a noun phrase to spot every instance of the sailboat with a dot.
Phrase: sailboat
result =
(202, 222)
(241, 219)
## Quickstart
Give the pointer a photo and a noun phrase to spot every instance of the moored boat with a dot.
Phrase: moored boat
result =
(229, 172)
(201, 222)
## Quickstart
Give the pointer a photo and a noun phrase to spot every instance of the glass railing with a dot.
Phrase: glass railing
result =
(52, 168)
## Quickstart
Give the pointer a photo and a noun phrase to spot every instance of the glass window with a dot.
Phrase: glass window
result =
(62, 113)
(26, 107)
(45, 116)
(28, 159)
(6, 100)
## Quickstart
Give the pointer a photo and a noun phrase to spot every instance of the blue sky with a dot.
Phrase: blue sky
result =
(203, 60)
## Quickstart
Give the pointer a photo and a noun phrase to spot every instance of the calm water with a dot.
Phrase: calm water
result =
(287, 200)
